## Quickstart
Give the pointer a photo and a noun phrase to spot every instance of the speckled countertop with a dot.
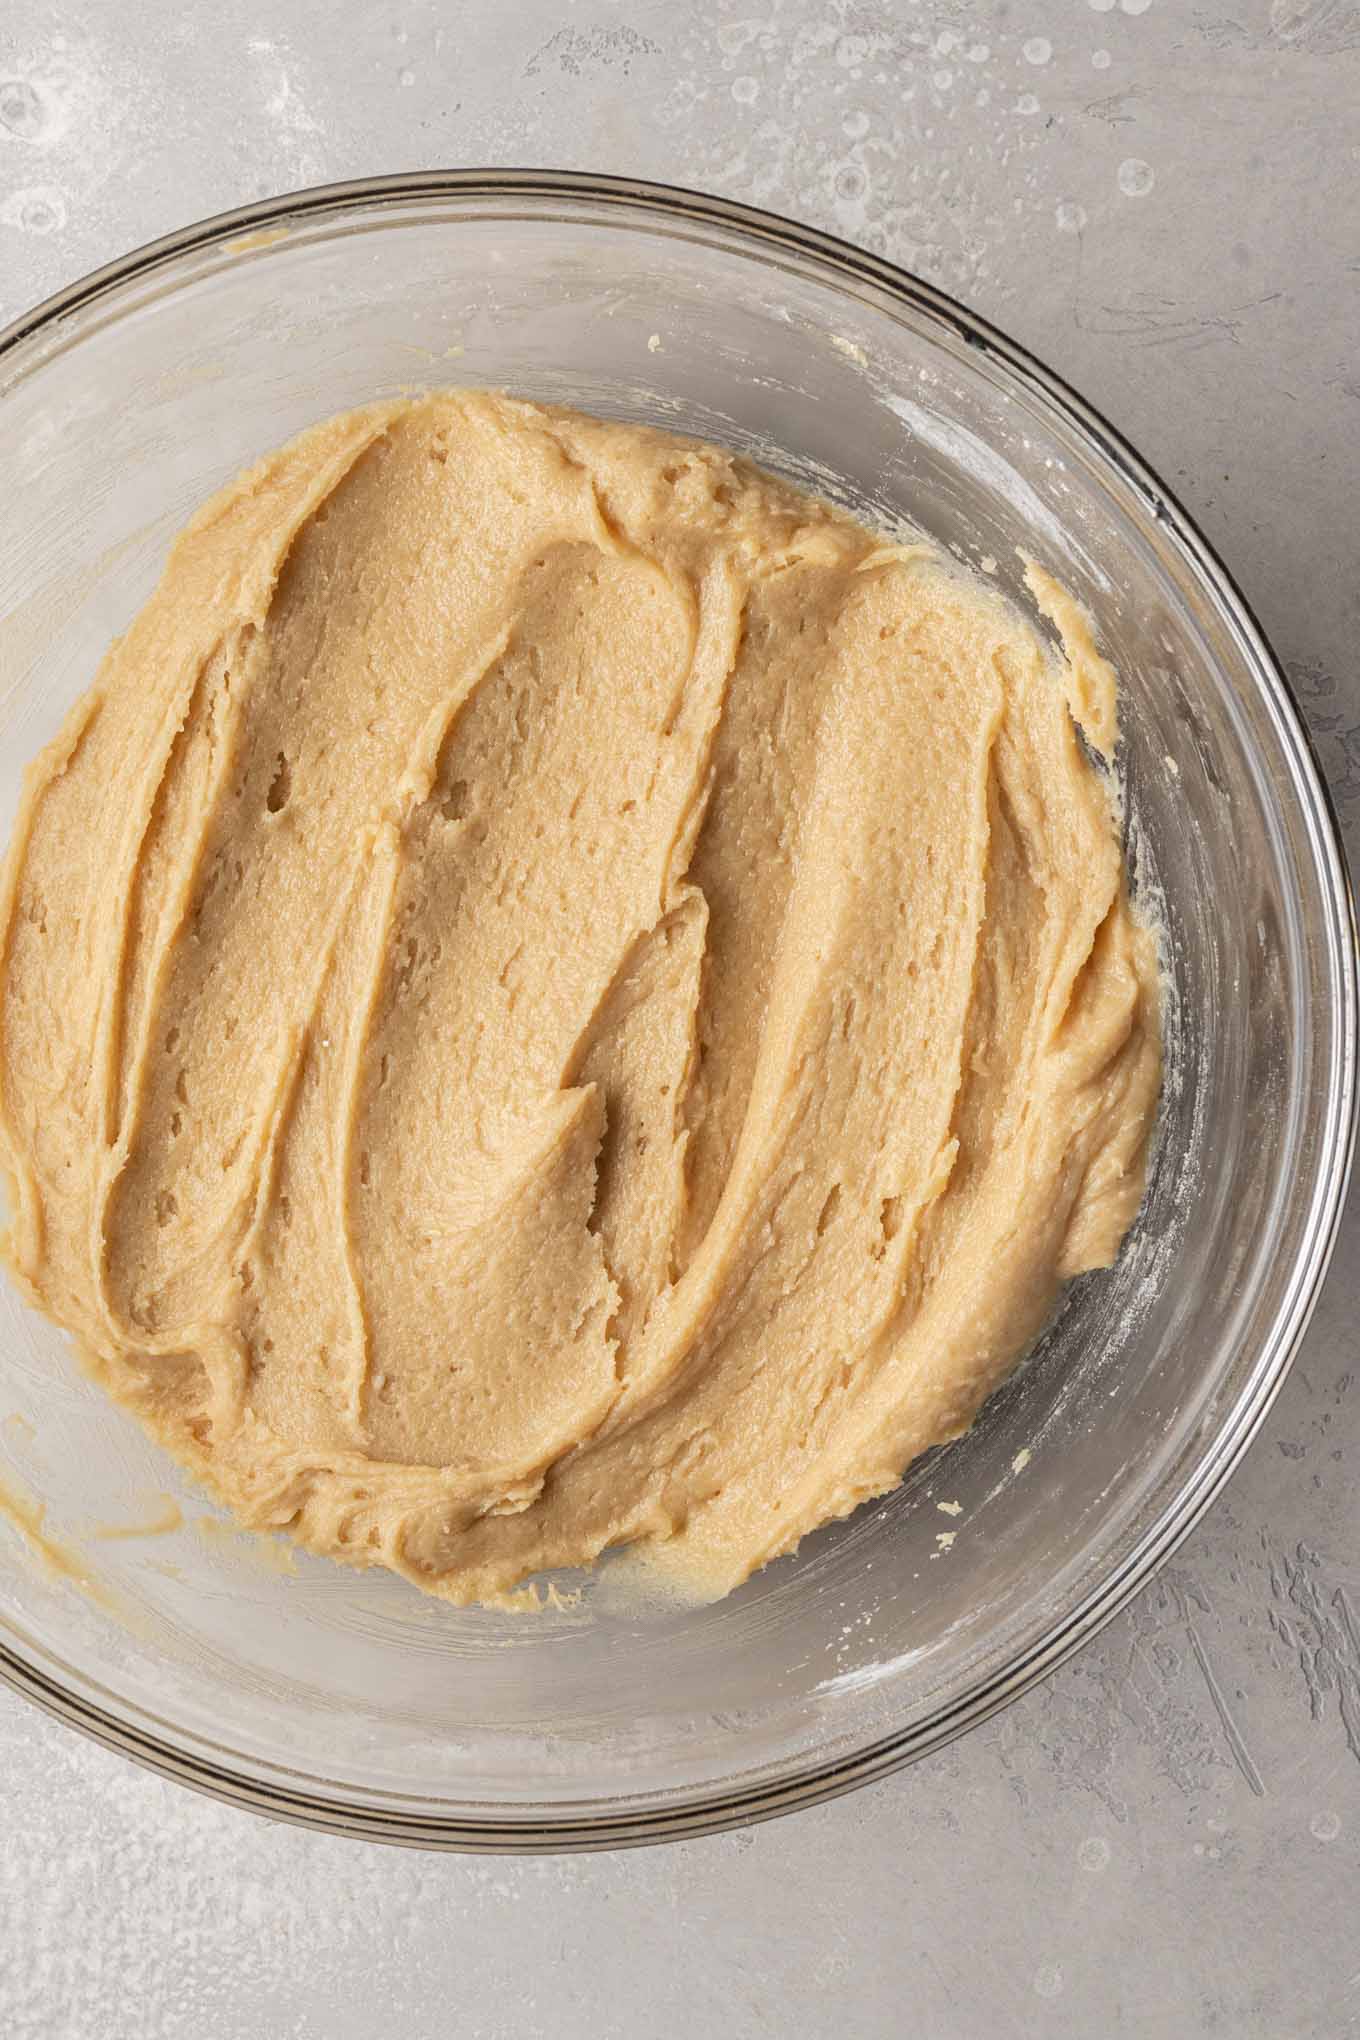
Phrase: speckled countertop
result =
(1161, 198)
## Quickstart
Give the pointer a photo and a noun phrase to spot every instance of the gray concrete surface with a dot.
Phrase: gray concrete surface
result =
(1161, 198)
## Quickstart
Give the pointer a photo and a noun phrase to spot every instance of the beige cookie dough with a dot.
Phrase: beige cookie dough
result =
(556, 992)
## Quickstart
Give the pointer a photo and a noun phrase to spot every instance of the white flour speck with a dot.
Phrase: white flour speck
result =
(1069, 216)
(1100, 60)
(1136, 178)
(1037, 50)
(297, 130)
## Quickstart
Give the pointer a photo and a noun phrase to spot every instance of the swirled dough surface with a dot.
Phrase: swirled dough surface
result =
(558, 992)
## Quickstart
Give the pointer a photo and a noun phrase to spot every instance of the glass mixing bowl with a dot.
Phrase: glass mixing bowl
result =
(350, 1702)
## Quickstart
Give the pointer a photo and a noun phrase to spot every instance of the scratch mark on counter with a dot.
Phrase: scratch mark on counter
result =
(1232, 1733)
(1324, 1636)
(1116, 110)
(577, 51)
(1349, 1686)
(1148, 320)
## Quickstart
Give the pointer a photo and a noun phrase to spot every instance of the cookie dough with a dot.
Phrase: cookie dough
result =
(558, 992)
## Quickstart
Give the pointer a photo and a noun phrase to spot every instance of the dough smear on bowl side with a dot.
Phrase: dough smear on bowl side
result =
(557, 992)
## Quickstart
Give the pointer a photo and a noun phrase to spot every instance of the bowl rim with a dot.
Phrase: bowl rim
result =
(702, 1810)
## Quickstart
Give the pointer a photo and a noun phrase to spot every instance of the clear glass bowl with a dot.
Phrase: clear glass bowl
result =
(351, 1703)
